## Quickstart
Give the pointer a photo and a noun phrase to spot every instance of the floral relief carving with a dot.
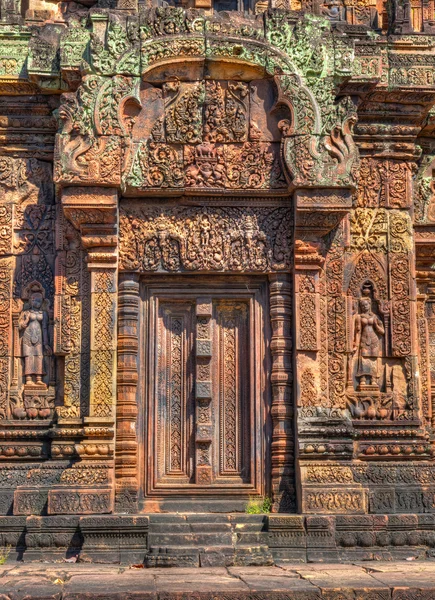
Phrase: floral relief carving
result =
(103, 340)
(387, 183)
(379, 230)
(308, 393)
(183, 112)
(226, 112)
(5, 323)
(252, 165)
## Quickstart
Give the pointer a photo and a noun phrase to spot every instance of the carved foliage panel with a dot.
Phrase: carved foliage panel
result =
(174, 392)
(73, 320)
(234, 407)
(385, 183)
(307, 310)
(103, 342)
(6, 272)
(336, 318)
(424, 358)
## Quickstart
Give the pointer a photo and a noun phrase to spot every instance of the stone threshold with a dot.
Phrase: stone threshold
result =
(398, 580)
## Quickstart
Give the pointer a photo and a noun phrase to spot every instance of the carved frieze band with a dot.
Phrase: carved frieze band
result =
(237, 239)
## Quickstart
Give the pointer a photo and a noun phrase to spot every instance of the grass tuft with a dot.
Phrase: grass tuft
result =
(259, 506)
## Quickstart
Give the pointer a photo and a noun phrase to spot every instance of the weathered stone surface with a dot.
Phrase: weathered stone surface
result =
(350, 581)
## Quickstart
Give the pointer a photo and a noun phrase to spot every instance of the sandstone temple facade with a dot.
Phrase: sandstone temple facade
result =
(217, 279)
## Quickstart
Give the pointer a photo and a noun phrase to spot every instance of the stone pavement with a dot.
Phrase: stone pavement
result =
(358, 581)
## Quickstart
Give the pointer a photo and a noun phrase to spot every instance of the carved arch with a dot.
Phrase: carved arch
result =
(317, 144)
(368, 268)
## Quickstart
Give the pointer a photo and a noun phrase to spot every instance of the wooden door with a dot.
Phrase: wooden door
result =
(206, 394)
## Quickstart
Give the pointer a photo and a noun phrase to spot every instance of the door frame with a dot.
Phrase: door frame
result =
(196, 497)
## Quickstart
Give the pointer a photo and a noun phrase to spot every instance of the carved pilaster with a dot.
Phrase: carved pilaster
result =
(93, 212)
(423, 326)
(283, 490)
(430, 317)
(309, 348)
(126, 410)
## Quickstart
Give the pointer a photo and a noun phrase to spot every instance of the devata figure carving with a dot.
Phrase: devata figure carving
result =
(367, 342)
(33, 322)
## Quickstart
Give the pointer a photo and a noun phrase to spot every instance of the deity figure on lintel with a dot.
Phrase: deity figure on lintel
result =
(368, 332)
(33, 322)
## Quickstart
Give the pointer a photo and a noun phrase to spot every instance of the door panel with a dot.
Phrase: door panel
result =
(174, 408)
(206, 395)
(232, 357)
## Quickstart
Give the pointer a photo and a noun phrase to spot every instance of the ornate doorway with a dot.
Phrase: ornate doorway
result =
(206, 394)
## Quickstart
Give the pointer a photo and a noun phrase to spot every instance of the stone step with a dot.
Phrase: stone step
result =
(248, 519)
(252, 537)
(157, 528)
(187, 528)
(166, 518)
(207, 518)
(206, 527)
(211, 527)
(175, 550)
(241, 518)
(248, 556)
(172, 557)
(249, 527)
(208, 556)
(190, 539)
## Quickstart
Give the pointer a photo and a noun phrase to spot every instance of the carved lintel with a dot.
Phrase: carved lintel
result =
(319, 210)
(204, 239)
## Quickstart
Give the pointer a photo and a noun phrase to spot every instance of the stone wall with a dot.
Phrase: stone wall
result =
(292, 150)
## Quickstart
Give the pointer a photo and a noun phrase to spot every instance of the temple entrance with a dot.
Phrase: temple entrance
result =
(206, 396)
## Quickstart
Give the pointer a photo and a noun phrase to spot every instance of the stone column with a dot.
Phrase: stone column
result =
(283, 468)
(126, 475)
